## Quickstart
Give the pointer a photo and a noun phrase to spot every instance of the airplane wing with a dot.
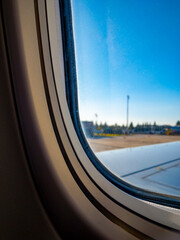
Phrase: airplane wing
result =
(154, 167)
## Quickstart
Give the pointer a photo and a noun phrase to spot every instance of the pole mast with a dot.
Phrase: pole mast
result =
(127, 112)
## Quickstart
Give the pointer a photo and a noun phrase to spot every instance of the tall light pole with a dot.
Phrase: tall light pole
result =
(127, 112)
(96, 116)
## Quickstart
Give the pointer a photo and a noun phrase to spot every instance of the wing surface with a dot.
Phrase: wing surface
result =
(154, 167)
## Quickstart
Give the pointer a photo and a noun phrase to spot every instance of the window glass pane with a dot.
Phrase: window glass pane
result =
(128, 56)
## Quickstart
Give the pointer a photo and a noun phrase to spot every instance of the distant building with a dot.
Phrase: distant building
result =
(88, 128)
(173, 130)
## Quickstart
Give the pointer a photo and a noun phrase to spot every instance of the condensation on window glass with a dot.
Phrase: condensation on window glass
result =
(128, 71)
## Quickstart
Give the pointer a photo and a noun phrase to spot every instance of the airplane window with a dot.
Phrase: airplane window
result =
(127, 59)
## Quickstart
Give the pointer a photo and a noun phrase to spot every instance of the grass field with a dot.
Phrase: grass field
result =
(99, 144)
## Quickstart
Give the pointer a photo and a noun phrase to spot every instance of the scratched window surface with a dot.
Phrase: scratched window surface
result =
(127, 60)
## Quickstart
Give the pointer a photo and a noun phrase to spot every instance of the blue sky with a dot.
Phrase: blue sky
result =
(128, 47)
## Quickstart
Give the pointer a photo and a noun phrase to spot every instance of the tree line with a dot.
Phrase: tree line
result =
(138, 128)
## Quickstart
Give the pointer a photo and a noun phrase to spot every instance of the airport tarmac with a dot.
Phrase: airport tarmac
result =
(109, 143)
